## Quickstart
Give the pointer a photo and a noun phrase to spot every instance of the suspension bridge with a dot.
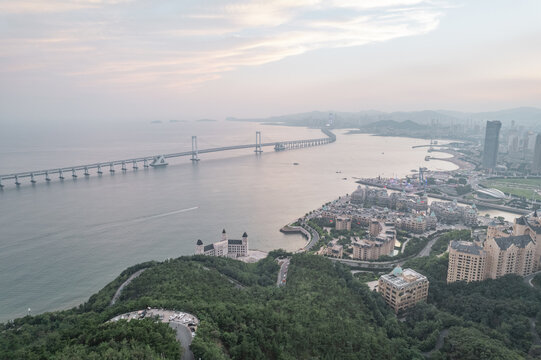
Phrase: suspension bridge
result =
(160, 160)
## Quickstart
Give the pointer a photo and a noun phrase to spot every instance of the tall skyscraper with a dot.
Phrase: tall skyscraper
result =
(492, 136)
(536, 165)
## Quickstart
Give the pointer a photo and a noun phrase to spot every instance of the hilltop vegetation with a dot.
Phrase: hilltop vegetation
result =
(323, 312)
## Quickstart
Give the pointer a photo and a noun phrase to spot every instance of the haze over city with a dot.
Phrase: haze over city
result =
(140, 60)
(270, 179)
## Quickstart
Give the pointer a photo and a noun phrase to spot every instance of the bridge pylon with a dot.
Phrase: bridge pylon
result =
(258, 148)
(195, 152)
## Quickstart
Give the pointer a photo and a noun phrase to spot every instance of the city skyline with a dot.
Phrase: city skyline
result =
(84, 60)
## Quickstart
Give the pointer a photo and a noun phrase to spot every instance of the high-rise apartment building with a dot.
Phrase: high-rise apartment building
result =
(501, 253)
(467, 262)
(536, 165)
(490, 152)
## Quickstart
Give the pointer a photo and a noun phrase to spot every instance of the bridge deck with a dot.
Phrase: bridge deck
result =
(320, 141)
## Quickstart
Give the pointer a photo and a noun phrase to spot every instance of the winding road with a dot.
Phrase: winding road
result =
(124, 284)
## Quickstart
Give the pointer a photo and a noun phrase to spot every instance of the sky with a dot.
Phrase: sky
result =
(109, 60)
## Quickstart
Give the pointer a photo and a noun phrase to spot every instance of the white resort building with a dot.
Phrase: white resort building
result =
(226, 247)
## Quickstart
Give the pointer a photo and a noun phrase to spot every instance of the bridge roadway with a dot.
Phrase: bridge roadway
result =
(283, 145)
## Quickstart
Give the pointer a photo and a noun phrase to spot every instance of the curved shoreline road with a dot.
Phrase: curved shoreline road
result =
(124, 284)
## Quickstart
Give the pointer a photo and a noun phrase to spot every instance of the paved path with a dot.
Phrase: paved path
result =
(528, 279)
(282, 274)
(178, 321)
(124, 284)
(237, 284)
(439, 342)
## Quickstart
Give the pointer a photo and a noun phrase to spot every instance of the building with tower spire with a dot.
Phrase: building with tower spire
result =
(231, 248)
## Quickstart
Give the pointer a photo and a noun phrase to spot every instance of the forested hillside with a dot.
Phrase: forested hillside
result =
(321, 313)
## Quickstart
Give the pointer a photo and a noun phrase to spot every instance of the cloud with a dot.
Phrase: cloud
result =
(50, 6)
(179, 45)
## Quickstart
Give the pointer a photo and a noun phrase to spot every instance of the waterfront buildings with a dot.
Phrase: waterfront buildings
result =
(449, 212)
(381, 241)
(225, 247)
(417, 224)
(402, 289)
(490, 152)
(467, 262)
(536, 165)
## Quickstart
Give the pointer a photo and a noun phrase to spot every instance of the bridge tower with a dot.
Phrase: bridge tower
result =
(258, 148)
(195, 151)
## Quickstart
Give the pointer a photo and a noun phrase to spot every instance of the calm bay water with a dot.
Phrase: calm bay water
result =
(61, 242)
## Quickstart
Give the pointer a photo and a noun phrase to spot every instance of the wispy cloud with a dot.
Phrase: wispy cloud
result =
(139, 43)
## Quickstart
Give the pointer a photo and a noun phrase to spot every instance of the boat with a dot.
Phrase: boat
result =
(344, 178)
(158, 161)
(295, 163)
(427, 158)
(339, 172)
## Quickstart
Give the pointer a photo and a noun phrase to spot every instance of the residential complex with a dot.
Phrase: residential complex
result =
(402, 289)
(503, 252)
(226, 247)
(380, 242)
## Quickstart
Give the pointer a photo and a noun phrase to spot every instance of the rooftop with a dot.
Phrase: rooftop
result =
(404, 278)
(466, 247)
(519, 241)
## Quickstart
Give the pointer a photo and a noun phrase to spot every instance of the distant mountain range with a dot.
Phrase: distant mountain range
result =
(523, 116)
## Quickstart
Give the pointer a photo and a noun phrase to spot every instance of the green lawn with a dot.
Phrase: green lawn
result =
(519, 187)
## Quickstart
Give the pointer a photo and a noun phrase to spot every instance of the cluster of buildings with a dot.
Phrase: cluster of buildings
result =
(398, 200)
(448, 212)
(500, 252)
(519, 144)
(410, 213)
(381, 241)
(232, 248)
(402, 289)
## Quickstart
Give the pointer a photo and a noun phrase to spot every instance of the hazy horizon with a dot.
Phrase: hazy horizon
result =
(83, 60)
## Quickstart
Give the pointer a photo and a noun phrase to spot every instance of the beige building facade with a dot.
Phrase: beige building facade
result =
(402, 289)
(467, 262)
(504, 252)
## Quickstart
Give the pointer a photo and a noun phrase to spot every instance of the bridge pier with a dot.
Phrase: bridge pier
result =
(32, 180)
(99, 169)
(17, 181)
(123, 166)
(47, 178)
(195, 151)
(60, 174)
(86, 171)
(73, 174)
(111, 168)
(1, 186)
(258, 149)
(134, 167)
(145, 163)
